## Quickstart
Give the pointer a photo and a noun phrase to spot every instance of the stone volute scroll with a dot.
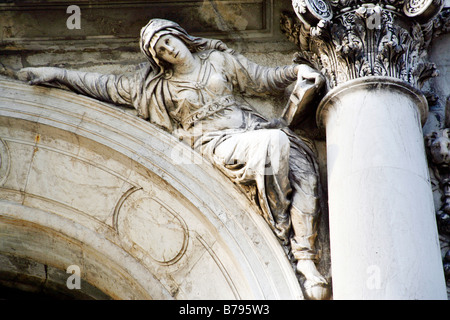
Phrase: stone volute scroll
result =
(373, 55)
(188, 88)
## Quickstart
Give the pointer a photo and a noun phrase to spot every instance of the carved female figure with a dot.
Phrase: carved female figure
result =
(189, 89)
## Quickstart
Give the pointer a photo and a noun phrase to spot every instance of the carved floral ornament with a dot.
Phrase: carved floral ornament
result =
(348, 39)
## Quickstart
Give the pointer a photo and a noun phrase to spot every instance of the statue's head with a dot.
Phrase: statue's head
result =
(157, 28)
(438, 144)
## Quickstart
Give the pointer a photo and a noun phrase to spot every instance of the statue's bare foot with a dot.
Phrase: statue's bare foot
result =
(309, 270)
(316, 286)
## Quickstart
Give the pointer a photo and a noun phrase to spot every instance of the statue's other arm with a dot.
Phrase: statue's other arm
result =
(254, 79)
(109, 88)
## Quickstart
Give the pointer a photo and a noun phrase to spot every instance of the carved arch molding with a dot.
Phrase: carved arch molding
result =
(140, 214)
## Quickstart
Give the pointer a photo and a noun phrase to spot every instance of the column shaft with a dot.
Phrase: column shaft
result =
(384, 240)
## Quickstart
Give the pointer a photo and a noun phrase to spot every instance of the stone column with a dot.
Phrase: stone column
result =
(384, 241)
(383, 234)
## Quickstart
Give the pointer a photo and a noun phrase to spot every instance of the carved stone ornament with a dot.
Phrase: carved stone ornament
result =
(423, 10)
(438, 143)
(188, 88)
(365, 38)
(441, 24)
(312, 11)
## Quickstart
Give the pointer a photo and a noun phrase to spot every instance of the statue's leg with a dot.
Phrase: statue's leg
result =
(287, 186)
(261, 157)
(305, 212)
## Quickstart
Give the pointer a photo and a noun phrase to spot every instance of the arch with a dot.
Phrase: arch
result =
(144, 217)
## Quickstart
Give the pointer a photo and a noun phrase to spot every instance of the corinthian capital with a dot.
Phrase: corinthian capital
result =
(349, 39)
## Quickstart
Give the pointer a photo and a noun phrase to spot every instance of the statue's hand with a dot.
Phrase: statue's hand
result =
(304, 96)
(277, 123)
(36, 76)
(305, 72)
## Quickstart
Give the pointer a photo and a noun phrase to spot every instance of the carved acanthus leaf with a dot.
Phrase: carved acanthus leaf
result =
(362, 38)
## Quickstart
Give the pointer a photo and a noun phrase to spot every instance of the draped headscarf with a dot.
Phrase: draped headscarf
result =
(152, 96)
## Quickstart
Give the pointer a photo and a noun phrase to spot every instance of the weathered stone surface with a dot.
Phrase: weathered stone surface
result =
(112, 50)
(56, 142)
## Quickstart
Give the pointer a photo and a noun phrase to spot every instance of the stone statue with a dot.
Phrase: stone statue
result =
(438, 151)
(189, 88)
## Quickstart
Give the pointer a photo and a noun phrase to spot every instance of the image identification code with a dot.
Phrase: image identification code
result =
(226, 309)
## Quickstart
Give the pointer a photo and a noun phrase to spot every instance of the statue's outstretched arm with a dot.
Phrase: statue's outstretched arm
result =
(108, 88)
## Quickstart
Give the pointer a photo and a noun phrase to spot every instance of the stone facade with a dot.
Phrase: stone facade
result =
(89, 184)
(363, 47)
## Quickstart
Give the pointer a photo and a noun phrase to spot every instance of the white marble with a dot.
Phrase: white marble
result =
(91, 185)
(384, 240)
(190, 88)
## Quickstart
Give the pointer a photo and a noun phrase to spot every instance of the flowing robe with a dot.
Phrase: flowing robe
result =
(276, 168)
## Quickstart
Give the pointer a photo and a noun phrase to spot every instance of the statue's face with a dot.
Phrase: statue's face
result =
(172, 50)
(440, 150)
